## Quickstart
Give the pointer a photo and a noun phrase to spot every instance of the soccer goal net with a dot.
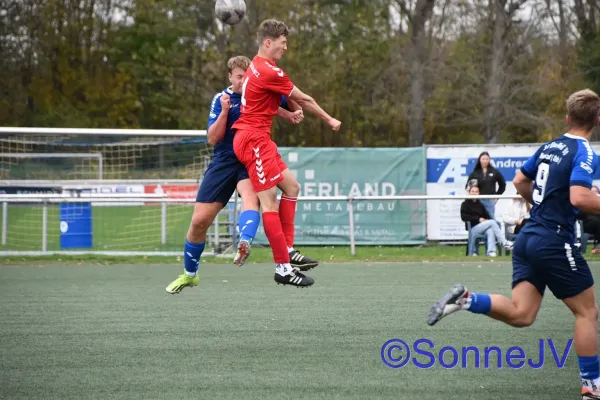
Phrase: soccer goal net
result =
(92, 163)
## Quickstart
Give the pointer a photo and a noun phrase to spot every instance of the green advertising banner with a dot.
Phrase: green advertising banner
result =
(357, 172)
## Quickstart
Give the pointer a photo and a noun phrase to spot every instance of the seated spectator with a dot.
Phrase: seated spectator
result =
(516, 215)
(591, 224)
(471, 210)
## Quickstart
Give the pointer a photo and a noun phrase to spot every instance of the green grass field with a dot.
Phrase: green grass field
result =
(91, 331)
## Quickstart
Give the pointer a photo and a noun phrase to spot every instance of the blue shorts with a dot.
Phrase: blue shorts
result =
(551, 261)
(220, 180)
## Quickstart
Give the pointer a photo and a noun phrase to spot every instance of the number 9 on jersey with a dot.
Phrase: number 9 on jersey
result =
(540, 182)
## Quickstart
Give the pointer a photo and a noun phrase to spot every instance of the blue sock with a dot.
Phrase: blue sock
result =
(479, 303)
(191, 257)
(248, 224)
(589, 367)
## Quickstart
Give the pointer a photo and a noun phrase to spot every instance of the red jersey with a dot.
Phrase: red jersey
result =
(264, 84)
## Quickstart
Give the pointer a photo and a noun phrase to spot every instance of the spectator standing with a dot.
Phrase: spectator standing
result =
(489, 180)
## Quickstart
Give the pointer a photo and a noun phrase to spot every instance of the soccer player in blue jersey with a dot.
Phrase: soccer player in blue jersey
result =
(557, 181)
(223, 176)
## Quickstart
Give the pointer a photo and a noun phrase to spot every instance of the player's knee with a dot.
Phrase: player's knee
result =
(268, 200)
(294, 190)
(523, 320)
(592, 313)
(200, 223)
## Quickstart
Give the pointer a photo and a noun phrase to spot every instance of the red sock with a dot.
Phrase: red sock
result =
(276, 238)
(287, 214)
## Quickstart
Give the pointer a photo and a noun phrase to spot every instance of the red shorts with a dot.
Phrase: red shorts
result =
(259, 155)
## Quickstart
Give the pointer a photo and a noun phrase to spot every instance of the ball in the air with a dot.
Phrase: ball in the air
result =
(230, 12)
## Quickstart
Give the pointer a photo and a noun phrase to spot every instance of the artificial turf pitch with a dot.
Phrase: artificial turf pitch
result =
(112, 332)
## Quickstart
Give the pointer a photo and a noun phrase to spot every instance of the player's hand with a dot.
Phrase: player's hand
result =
(482, 219)
(334, 124)
(297, 116)
(225, 101)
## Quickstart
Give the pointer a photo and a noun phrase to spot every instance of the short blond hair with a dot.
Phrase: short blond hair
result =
(238, 62)
(271, 29)
(584, 108)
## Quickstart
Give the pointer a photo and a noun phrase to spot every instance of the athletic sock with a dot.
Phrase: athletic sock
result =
(478, 303)
(589, 370)
(248, 225)
(287, 215)
(191, 257)
(276, 238)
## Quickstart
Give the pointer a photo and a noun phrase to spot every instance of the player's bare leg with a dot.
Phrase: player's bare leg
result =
(520, 311)
(287, 214)
(585, 310)
(248, 221)
(284, 273)
(203, 217)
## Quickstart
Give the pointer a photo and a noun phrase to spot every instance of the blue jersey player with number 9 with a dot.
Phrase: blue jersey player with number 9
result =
(557, 180)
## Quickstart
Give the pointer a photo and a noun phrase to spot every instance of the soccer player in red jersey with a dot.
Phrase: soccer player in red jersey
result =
(263, 86)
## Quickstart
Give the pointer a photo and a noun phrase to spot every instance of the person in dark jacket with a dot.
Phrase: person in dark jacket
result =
(487, 177)
(473, 211)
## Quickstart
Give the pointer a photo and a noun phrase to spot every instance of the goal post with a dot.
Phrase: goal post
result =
(91, 163)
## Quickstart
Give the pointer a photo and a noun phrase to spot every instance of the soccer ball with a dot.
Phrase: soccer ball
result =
(230, 12)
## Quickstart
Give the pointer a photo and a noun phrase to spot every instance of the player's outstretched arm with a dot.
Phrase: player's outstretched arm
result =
(524, 186)
(309, 104)
(216, 132)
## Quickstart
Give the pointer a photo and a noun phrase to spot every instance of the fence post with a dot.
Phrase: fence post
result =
(4, 222)
(235, 218)
(45, 226)
(163, 223)
(351, 220)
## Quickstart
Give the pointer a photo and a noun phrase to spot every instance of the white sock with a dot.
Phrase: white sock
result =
(290, 249)
(283, 269)
(190, 273)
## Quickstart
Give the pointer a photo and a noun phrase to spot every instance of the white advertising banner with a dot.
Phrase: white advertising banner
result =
(448, 168)
(91, 190)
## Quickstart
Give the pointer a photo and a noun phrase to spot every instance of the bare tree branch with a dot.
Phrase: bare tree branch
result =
(405, 10)
(551, 14)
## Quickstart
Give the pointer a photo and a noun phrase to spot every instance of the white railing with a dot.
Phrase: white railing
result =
(91, 131)
(47, 199)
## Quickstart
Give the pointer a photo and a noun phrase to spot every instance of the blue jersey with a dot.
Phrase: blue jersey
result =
(225, 147)
(554, 168)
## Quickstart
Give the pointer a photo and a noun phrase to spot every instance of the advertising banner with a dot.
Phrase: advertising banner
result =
(448, 168)
(358, 172)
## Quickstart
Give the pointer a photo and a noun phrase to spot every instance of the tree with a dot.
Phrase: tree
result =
(418, 62)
